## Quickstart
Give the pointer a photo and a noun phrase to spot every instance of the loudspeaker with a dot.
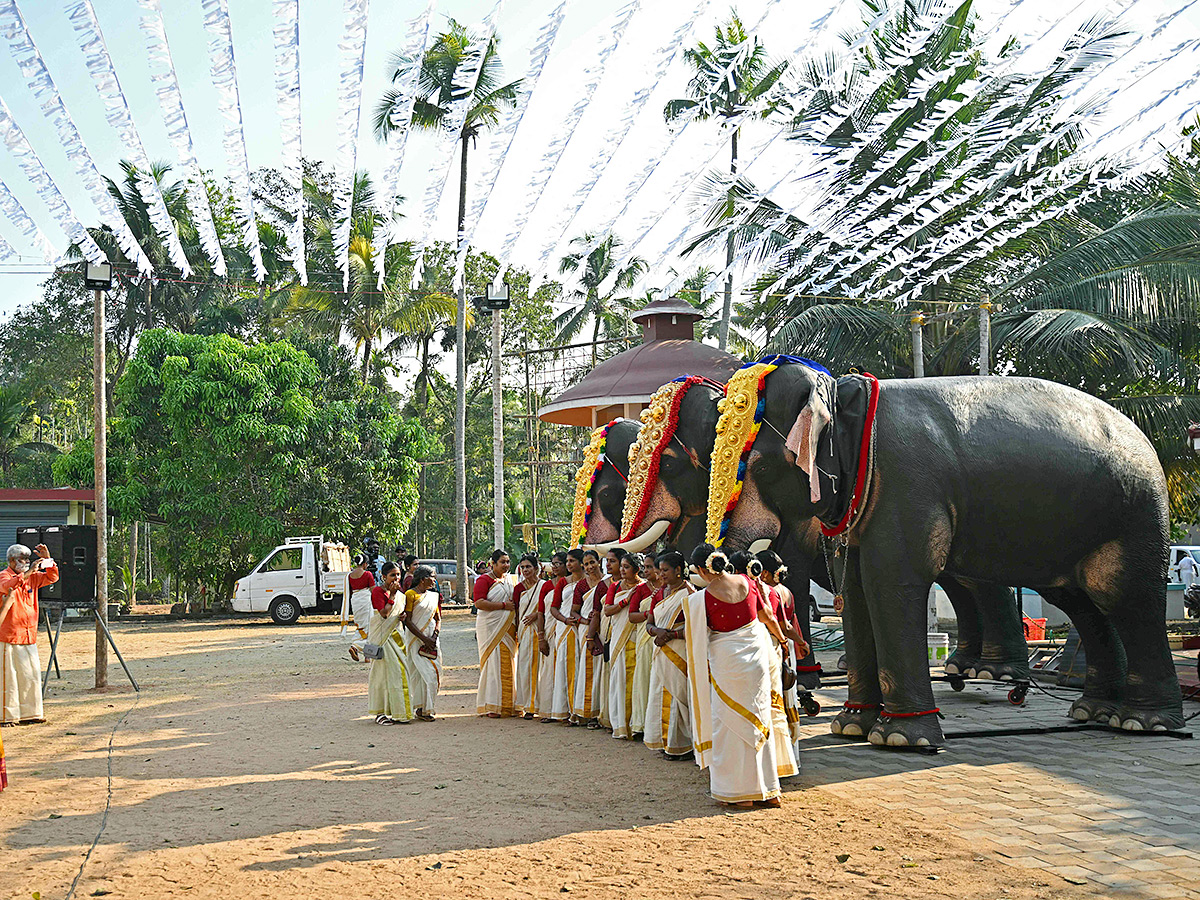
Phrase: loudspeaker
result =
(73, 547)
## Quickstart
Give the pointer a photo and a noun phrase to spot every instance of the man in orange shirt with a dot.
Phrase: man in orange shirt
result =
(20, 668)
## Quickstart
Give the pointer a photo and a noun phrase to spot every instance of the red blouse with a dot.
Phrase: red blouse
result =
(379, 597)
(365, 580)
(547, 587)
(640, 593)
(483, 584)
(724, 616)
(658, 595)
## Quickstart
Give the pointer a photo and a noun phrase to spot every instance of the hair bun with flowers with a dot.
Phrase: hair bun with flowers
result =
(754, 568)
(781, 574)
(716, 562)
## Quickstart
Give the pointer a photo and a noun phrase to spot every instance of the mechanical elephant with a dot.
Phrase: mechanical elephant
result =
(986, 481)
(600, 484)
(667, 495)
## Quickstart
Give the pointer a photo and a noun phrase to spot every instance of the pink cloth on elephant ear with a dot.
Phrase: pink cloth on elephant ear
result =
(802, 440)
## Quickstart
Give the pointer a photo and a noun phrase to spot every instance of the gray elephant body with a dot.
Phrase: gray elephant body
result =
(990, 482)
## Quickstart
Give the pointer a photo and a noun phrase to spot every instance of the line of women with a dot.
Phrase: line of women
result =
(627, 644)
(403, 646)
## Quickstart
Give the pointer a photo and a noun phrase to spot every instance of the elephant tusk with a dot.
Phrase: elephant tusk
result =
(642, 541)
(759, 546)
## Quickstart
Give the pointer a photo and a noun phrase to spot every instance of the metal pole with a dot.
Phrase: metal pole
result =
(985, 336)
(918, 343)
(101, 479)
(497, 433)
(460, 449)
(529, 429)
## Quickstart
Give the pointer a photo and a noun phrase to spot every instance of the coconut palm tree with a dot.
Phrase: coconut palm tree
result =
(609, 312)
(361, 312)
(453, 52)
(732, 80)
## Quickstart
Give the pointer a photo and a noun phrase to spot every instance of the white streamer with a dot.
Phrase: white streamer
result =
(412, 53)
(509, 123)
(162, 75)
(35, 172)
(33, 68)
(287, 102)
(6, 249)
(11, 207)
(353, 47)
(116, 111)
(562, 137)
(223, 67)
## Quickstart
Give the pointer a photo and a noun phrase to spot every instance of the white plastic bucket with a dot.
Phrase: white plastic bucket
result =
(939, 648)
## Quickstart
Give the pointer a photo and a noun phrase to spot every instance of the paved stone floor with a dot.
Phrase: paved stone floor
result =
(1094, 806)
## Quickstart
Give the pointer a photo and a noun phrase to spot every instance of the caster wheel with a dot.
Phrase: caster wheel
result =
(1017, 696)
(957, 683)
(811, 707)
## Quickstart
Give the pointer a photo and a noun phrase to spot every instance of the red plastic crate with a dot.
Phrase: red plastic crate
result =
(1035, 629)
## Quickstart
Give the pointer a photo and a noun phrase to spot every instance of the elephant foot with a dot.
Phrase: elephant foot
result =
(961, 662)
(1092, 709)
(907, 731)
(854, 723)
(994, 670)
(1130, 718)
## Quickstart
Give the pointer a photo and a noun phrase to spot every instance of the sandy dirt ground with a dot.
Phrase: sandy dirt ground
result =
(248, 768)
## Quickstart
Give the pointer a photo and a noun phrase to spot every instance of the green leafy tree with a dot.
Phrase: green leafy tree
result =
(235, 446)
(732, 80)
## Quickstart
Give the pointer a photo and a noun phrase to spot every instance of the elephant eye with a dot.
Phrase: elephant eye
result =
(670, 466)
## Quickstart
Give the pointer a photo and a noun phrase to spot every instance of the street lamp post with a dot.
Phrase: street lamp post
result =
(98, 278)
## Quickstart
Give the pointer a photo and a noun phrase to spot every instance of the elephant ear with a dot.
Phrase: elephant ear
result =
(806, 432)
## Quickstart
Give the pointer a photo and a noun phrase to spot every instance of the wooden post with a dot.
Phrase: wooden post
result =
(99, 380)
(918, 343)
(985, 336)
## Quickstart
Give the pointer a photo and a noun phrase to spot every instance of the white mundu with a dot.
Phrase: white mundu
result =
(729, 676)
(668, 718)
(497, 649)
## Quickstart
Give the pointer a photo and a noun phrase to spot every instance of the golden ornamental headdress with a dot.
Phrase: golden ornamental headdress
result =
(585, 480)
(659, 421)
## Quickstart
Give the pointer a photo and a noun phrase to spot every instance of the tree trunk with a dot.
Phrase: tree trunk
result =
(366, 364)
(460, 399)
(595, 335)
(423, 377)
(133, 563)
(727, 307)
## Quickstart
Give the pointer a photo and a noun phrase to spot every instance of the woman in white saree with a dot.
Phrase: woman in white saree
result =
(585, 616)
(389, 698)
(773, 576)
(729, 675)
(547, 632)
(495, 633)
(422, 626)
(566, 646)
(639, 615)
(668, 718)
(525, 598)
(356, 605)
(622, 647)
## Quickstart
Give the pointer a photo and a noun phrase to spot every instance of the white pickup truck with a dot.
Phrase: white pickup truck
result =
(304, 574)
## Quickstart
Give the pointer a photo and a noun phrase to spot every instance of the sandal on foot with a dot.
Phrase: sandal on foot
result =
(354, 654)
(772, 803)
(381, 719)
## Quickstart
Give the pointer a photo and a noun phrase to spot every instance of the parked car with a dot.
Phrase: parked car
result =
(303, 574)
(446, 571)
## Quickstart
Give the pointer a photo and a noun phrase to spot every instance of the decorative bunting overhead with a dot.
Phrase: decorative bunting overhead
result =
(33, 67)
(116, 110)
(404, 88)
(11, 207)
(509, 123)
(27, 159)
(287, 101)
(352, 47)
(224, 78)
(162, 74)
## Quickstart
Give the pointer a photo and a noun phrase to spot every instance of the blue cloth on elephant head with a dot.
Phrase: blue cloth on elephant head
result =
(780, 359)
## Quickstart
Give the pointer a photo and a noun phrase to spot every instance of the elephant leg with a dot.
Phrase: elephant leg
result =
(1149, 698)
(863, 700)
(967, 654)
(1105, 655)
(1005, 654)
(897, 598)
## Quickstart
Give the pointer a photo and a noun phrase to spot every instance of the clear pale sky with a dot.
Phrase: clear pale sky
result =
(785, 32)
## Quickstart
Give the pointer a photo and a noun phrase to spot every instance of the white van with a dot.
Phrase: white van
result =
(304, 574)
